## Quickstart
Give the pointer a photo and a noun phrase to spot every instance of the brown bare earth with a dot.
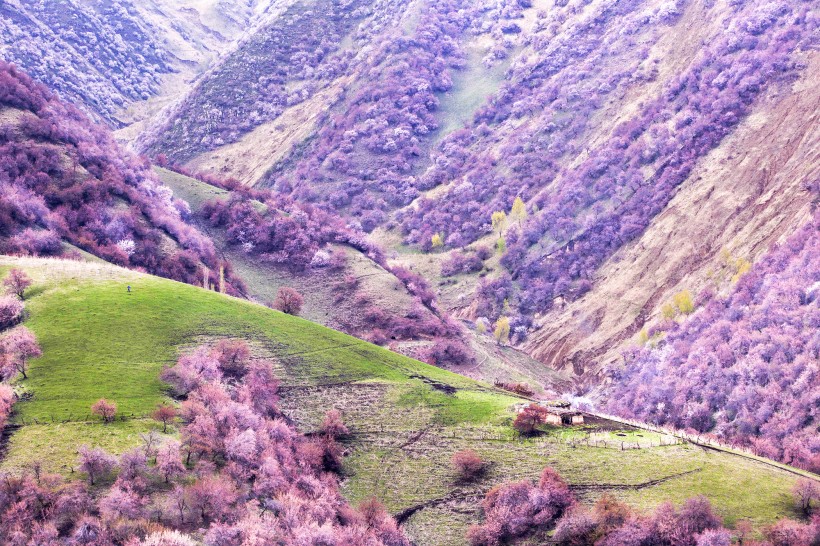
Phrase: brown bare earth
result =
(249, 159)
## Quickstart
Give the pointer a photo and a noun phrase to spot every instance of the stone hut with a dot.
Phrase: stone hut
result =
(564, 417)
(558, 413)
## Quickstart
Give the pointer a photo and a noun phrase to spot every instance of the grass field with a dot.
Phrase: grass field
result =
(98, 341)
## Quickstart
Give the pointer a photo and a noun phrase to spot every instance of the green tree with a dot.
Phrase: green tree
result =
(437, 240)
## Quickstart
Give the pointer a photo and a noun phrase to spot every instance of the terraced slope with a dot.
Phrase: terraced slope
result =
(406, 418)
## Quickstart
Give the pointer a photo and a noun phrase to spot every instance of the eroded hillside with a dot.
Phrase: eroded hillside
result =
(747, 194)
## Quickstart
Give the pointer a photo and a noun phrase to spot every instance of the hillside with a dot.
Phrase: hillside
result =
(748, 193)
(66, 185)
(758, 347)
(360, 296)
(551, 269)
(406, 418)
(629, 130)
(122, 61)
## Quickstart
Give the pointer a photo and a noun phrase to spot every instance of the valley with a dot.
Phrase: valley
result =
(403, 428)
(330, 272)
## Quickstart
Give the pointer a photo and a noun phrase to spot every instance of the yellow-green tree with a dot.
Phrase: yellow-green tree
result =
(499, 219)
(683, 301)
(502, 330)
(519, 210)
(643, 337)
(437, 240)
(742, 266)
(668, 310)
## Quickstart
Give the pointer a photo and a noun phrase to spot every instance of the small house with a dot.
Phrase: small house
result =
(558, 413)
(554, 419)
(564, 417)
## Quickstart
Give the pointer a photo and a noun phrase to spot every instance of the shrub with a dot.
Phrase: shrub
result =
(461, 263)
(516, 509)
(806, 493)
(16, 282)
(105, 409)
(333, 426)
(233, 356)
(521, 389)
(530, 418)
(96, 463)
(288, 301)
(683, 301)
(168, 538)
(577, 528)
(11, 310)
(468, 464)
(447, 352)
(502, 331)
(7, 398)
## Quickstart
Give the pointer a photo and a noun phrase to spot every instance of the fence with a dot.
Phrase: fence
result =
(709, 442)
(491, 433)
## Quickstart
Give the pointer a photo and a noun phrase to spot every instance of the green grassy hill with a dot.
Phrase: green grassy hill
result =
(406, 418)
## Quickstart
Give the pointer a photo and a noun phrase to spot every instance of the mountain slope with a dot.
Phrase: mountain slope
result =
(747, 194)
(63, 178)
(354, 290)
(122, 61)
(404, 424)
(338, 287)
(745, 366)
(597, 114)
